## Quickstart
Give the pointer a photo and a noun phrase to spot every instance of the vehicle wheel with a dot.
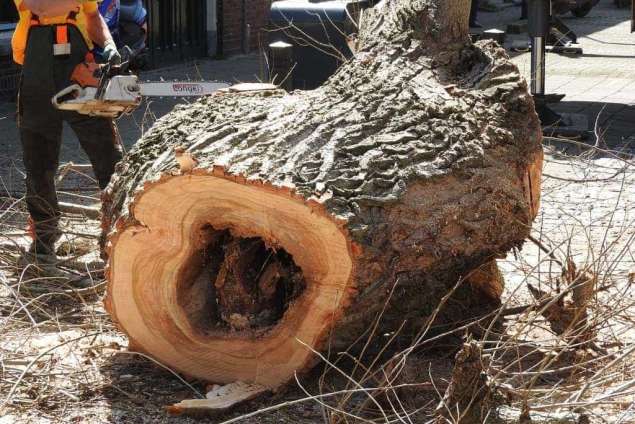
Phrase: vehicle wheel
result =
(582, 11)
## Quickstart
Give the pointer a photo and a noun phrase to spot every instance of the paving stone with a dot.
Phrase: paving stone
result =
(604, 73)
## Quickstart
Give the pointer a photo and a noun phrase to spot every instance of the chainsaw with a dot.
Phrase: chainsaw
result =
(108, 91)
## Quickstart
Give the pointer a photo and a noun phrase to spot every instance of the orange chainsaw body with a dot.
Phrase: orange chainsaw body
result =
(96, 93)
(87, 73)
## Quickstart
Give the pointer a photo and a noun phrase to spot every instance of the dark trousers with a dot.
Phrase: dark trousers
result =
(43, 75)
(473, 12)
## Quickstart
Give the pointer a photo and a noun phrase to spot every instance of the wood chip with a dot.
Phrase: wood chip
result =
(250, 86)
(219, 399)
(87, 211)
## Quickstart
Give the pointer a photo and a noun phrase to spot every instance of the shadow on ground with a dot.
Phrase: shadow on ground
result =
(139, 388)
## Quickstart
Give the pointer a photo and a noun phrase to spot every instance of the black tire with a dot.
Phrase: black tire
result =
(582, 11)
(584, 7)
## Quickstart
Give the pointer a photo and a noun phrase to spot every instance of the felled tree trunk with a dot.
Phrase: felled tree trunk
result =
(247, 229)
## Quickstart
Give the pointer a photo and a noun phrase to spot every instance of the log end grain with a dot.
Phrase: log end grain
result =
(158, 260)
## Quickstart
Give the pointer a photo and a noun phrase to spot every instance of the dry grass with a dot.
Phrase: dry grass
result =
(62, 360)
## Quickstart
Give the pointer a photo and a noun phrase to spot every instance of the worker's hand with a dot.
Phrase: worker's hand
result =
(111, 54)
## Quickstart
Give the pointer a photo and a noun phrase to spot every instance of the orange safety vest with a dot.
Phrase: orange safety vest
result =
(28, 19)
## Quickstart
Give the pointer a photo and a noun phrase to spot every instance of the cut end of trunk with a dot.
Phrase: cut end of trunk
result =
(221, 278)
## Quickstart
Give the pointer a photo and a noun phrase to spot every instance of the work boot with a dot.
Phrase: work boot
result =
(39, 261)
(40, 252)
(39, 247)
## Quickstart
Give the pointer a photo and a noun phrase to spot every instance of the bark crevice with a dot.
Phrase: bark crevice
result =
(434, 23)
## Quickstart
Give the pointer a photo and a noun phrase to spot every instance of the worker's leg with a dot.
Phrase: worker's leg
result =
(98, 138)
(474, 14)
(40, 152)
(40, 128)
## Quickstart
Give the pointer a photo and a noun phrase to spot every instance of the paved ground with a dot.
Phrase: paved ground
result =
(599, 84)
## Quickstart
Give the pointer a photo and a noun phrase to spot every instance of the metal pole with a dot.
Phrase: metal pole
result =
(281, 64)
(538, 23)
(244, 31)
(538, 66)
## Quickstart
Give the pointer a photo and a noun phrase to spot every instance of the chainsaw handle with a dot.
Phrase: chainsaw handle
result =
(69, 93)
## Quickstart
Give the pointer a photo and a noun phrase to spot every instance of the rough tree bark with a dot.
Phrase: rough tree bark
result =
(300, 215)
(470, 398)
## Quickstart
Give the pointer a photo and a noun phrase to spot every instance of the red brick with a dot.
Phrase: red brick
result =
(256, 16)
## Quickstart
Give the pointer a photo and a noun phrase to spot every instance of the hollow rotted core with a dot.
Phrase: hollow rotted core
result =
(239, 283)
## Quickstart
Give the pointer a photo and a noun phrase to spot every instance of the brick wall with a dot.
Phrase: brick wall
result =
(235, 18)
